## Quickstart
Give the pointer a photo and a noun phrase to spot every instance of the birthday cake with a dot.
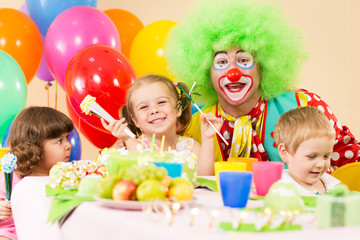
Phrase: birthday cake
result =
(68, 175)
(283, 196)
(116, 158)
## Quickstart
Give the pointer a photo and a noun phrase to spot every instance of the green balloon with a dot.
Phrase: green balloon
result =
(13, 91)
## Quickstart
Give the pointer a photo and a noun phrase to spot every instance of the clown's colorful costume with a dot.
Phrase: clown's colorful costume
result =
(220, 36)
(258, 141)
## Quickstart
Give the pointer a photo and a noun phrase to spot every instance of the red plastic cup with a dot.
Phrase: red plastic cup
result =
(265, 174)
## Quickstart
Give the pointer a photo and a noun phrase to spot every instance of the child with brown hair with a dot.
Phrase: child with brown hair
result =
(305, 140)
(39, 139)
(155, 106)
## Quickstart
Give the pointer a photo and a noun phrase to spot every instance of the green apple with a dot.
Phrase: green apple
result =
(89, 185)
(106, 186)
(150, 189)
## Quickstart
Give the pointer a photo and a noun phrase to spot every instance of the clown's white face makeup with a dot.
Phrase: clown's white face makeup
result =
(235, 77)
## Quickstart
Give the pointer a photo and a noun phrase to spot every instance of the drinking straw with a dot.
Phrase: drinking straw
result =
(201, 112)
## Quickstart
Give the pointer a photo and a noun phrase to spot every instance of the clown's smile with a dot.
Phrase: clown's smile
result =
(235, 91)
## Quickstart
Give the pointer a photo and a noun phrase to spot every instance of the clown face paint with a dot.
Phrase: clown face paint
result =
(240, 89)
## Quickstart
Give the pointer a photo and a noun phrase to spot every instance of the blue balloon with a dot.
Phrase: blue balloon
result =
(5, 137)
(75, 142)
(43, 12)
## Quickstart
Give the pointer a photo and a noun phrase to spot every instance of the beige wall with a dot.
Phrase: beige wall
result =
(331, 29)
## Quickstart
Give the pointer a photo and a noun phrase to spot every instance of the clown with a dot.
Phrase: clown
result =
(245, 59)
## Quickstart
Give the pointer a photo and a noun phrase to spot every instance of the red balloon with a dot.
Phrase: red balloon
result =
(98, 138)
(104, 73)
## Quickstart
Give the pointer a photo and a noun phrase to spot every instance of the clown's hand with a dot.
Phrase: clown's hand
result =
(206, 129)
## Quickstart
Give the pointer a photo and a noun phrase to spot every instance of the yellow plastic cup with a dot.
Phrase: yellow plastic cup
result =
(227, 166)
(246, 160)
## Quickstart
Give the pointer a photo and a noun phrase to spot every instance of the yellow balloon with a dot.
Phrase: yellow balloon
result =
(147, 49)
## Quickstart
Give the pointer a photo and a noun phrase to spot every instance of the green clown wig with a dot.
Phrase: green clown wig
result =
(258, 28)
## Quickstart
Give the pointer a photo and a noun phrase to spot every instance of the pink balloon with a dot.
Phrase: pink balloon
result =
(72, 30)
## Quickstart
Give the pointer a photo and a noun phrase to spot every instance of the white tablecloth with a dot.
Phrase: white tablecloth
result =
(91, 220)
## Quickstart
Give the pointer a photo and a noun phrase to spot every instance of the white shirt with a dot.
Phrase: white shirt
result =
(328, 180)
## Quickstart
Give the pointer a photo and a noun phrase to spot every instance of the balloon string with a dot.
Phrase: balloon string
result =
(56, 94)
(48, 95)
(47, 86)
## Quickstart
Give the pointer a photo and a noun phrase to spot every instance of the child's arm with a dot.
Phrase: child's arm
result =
(5, 210)
(117, 128)
(207, 149)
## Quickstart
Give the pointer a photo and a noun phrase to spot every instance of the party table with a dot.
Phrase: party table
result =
(93, 220)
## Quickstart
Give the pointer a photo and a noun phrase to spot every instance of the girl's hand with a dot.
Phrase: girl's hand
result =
(206, 129)
(116, 128)
(5, 210)
(119, 144)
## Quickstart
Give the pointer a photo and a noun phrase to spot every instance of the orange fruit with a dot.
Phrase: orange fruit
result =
(166, 182)
(181, 191)
(179, 180)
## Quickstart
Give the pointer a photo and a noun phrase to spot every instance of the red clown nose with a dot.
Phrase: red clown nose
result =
(233, 75)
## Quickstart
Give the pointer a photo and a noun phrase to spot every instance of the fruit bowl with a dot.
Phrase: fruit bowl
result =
(124, 205)
(132, 205)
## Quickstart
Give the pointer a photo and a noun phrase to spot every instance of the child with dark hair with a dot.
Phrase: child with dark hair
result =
(39, 139)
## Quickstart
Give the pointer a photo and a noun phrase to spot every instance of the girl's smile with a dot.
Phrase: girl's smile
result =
(155, 109)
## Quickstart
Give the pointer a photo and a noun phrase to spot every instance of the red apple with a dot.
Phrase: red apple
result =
(124, 190)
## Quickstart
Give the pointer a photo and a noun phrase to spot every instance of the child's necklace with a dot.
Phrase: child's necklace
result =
(317, 192)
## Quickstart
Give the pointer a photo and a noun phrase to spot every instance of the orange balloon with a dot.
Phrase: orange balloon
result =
(147, 50)
(128, 26)
(21, 39)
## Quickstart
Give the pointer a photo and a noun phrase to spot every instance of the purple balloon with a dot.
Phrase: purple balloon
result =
(43, 72)
(24, 9)
(72, 30)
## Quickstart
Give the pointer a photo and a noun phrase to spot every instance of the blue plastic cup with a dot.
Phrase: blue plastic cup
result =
(173, 169)
(235, 187)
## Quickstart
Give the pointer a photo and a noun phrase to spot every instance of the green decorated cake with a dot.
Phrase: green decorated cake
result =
(283, 196)
(122, 158)
(338, 207)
